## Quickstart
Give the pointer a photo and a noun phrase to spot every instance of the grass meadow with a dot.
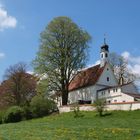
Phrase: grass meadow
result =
(121, 125)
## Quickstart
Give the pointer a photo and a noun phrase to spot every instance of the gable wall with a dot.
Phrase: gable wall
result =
(108, 73)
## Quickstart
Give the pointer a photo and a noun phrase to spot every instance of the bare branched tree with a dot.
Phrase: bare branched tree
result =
(120, 68)
(18, 87)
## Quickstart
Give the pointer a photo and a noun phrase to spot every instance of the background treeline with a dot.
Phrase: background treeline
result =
(19, 97)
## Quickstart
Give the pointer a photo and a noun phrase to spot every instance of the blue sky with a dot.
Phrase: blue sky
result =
(24, 20)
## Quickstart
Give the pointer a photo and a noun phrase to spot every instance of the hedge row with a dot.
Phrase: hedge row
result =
(39, 107)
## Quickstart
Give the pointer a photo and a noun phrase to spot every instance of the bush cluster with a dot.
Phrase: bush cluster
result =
(13, 114)
(39, 107)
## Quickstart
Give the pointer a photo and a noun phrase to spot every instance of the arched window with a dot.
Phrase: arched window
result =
(108, 79)
(106, 55)
(102, 55)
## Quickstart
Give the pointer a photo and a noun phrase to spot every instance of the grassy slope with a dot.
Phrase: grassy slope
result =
(118, 126)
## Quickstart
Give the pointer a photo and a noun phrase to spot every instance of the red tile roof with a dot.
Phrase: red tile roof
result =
(86, 77)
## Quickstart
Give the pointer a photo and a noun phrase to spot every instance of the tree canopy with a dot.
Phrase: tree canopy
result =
(18, 87)
(63, 50)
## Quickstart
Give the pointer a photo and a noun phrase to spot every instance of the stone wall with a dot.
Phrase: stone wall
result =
(114, 106)
(124, 106)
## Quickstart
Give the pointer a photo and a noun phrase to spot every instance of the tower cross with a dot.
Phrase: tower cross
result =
(104, 38)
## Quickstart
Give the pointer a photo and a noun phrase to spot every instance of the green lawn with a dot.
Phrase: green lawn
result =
(118, 126)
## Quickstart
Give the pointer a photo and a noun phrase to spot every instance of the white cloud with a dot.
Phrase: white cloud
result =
(126, 55)
(30, 72)
(130, 58)
(134, 62)
(6, 20)
(2, 55)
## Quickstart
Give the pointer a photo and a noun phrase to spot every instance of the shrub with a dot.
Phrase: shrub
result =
(13, 114)
(41, 106)
(100, 105)
(27, 113)
(76, 110)
(1, 116)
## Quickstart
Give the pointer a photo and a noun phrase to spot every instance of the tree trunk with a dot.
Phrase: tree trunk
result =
(64, 97)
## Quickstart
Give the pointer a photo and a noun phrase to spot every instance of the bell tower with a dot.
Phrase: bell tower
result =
(104, 54)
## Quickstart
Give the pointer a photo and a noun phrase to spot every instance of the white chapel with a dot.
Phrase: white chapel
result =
(99, 81)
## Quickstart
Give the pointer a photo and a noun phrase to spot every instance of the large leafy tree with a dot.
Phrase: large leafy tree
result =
(62, 51)
(18, 87)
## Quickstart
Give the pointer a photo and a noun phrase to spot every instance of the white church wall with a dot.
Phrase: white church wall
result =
(111, 95)
(126, 98)
(121, 98)
(115, 95)
(107, 73)
(86, 93)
